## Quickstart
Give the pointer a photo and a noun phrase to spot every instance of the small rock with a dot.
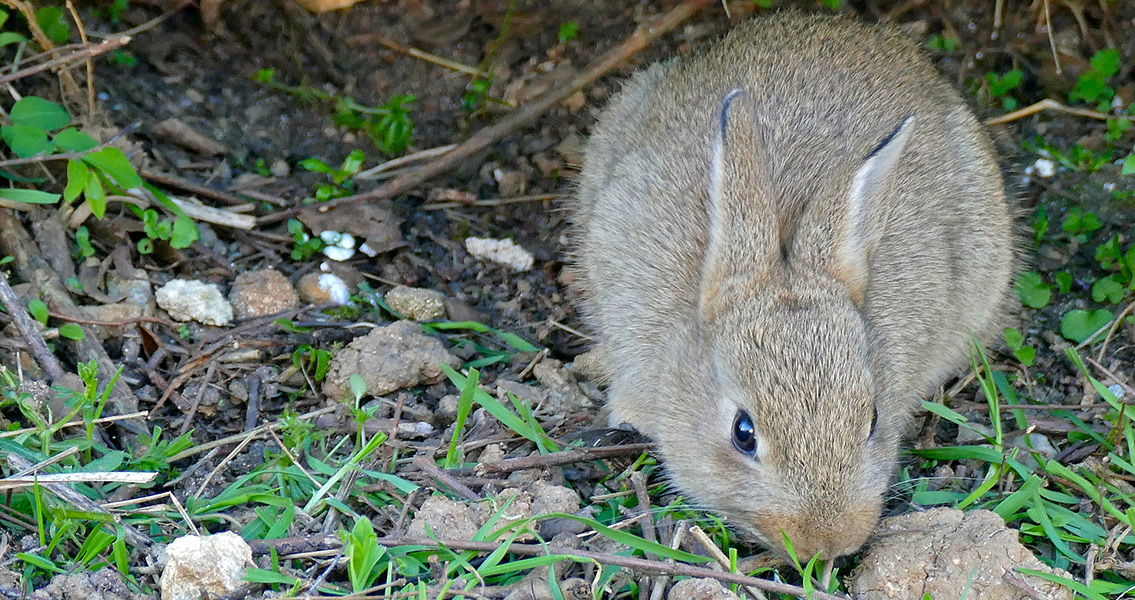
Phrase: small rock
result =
(447, 409)
(259, 293)
(510, 183)
(563, 392)
(390, 358)
(549, 499)
(446, 519)
(571, 149)
(280, 168)
(700, 589)
(417, 304)
(204, 566)
(505, 252)
(324, 288)
(945, 553)
(190, 300)
(104, 584)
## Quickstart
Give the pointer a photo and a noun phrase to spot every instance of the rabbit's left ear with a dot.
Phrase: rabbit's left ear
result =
(862, 226)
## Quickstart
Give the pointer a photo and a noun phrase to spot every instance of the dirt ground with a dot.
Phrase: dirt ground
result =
(206, 76)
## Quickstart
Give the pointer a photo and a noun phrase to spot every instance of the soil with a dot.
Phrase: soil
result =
(206, 75)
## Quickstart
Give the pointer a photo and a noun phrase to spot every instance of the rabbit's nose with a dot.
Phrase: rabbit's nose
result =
(830, 533)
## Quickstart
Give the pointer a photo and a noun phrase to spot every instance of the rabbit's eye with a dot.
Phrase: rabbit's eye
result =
(874, 422)
(744, 433)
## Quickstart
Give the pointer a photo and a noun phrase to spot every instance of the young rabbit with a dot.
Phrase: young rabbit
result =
(784, 242)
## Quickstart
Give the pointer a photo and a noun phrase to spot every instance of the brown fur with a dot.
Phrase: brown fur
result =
(782, 315)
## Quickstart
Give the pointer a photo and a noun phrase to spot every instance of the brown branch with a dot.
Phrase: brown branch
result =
(40, 352)
(83, 54)
(567, 457)
(193, 188)
(491, 134)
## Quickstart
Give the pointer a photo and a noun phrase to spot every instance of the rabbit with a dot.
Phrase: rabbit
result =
(782, 243)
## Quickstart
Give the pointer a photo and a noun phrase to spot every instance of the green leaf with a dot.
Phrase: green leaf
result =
(96, 196)
(77, 176)
(1032, 290)
(115, 165)
(1025, 354)
(1078, 324)
(26, 141)
(1109, 289)
(1013, 338)
(28, 196)
(38, 310)
(73, 140)
(53, 23)
(34, 111)
(1128, 165)
(11, 37)
(1106, 62)
(184, 233)
(71, 331)
(1064, 282)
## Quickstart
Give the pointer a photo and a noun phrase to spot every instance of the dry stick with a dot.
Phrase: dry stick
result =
(567, 457)
(70, 88)
(193, 188)
(440, 61)
(418, 156)
(1114, 325)
(1107, 373)
(427, 466)
(40, 352)
(715, 552)
(489, 135)
(67, 494)
(640, 564)
(1046, 104)
(86, 53)
(89, 64)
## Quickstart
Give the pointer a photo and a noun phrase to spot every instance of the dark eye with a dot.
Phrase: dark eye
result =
(874, 422)
(744, 433)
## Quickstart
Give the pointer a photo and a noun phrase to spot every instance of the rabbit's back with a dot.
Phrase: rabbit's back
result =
(825, 92)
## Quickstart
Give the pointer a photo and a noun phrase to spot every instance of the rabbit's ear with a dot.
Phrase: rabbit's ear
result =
(740, 240)
(862, 224)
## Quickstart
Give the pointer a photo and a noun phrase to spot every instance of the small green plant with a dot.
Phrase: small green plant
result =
(1117, 127)
(363, 553)
(306, 246)
(389, 126)
(122, 58)
(180, 233)
(1079, 224)
(342, 179)
(568, 31)
(1092, 86)
(1001, 85)
(1040, 224)
(1064, 281)
(1032, 290)
(941, 43)
(40, 128)
(313, 362)
(1016, 342)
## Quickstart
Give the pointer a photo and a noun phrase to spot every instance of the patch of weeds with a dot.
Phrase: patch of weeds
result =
(312, 362)
(389, 127)
(341, 179)
(1092, 87)
(180, 233)
(1079, 224)
(305, 245)
(1078, 158)
(942, 43)
(41, 128)
(121, 58)
(1000, 85)
(568, 31)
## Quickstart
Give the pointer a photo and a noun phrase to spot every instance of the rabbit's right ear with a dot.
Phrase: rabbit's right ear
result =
(742, 241)
(862, 224)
